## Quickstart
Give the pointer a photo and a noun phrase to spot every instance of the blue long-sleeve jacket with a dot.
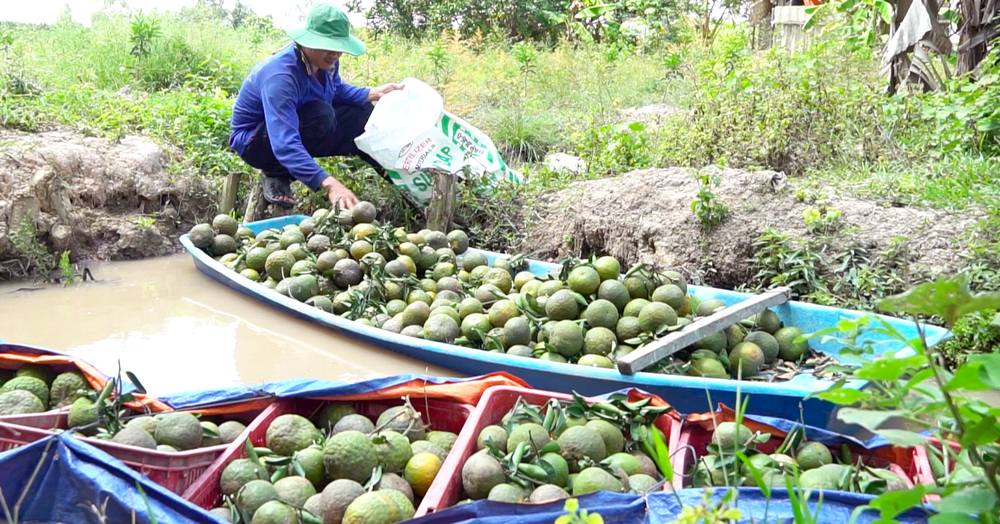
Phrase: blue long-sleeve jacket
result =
(272, 93)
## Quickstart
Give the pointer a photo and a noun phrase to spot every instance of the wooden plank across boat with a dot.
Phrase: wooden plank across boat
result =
(685, 393)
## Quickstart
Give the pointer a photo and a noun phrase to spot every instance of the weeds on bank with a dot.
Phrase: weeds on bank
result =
(773, 109)
(784, 260)
(613, 149)
(66, 268)
(821, 221)
(709, 208)
(974, 334)
(955, 182)
(33, 256)
(852, 276)
(528, 100)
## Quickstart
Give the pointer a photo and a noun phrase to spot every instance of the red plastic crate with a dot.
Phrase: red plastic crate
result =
(174, 471)
(696, 438)
(18, 430)
(46, 419)
(496, 402)
(14, 436)
(440, 415)
(921, 467)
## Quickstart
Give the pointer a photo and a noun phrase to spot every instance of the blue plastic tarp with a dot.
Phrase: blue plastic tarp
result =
(78, 483)
(614, 508)
(665, 507)
(830, 438)
(834, 507)
(295, 388)
(825, 436)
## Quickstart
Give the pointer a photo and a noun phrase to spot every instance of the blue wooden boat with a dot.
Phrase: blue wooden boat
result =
(686, 394)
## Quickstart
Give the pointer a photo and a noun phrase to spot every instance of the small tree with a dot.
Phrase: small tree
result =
(144, 31)
(6, 41)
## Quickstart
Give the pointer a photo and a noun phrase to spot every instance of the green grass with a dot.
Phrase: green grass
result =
(66, 54)
(568, 88)
(956, 182)
(183, 91)
(819, 113)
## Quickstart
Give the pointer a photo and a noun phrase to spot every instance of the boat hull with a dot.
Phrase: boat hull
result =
(686, 394)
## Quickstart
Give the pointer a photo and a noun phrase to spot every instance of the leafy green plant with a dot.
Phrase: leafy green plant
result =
(576, 515)
(710, 209)
(34, 255)
(440, 60)
(861, 276)
(614, 148)
(673, 61)
(962, 115)
(861, 22)
(975, 333)
(709, 511)
(144, 31)
(822, 220)
(783, 260)
(66, 267)
(917, 389)
(526, 57)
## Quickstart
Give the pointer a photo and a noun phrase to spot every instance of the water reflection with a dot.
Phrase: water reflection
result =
(178, 330)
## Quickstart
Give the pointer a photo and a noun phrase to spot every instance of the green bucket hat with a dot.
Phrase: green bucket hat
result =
(327, 27)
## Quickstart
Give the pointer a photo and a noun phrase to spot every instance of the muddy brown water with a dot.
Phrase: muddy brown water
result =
(178, 330)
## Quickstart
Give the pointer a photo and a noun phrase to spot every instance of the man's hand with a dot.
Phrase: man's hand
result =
(376, 93)
(339, 193)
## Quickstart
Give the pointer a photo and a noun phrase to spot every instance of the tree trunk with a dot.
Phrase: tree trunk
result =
(896, 66)
(441, 211)
(230, 189)
(977, 19)
(256, 205)
(704, 22)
